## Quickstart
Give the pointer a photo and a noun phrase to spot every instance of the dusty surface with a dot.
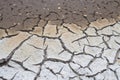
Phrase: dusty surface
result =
(26, 14)
(59, 40)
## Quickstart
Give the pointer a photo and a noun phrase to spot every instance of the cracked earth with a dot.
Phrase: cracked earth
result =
(59, 40)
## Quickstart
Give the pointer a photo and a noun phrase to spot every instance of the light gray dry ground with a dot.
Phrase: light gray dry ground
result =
(59, 40)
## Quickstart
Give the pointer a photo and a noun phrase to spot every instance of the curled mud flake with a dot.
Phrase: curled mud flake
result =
(2, 33)
(100, 23)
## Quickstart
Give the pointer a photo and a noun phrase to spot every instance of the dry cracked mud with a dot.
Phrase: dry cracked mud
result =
(59, 39)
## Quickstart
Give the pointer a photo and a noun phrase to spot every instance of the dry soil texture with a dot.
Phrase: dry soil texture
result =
(59, 40)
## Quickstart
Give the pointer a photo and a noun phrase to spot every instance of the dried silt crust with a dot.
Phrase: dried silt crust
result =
(59, 40)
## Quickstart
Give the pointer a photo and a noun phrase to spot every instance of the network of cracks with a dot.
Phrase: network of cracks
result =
(59, 40)
(66, 53)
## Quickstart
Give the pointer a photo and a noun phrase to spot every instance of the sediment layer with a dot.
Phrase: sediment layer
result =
(27, 14)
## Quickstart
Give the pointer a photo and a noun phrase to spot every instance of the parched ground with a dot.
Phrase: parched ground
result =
(59, 39)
